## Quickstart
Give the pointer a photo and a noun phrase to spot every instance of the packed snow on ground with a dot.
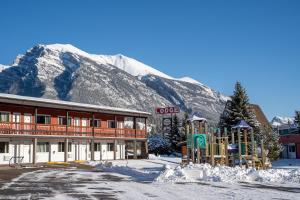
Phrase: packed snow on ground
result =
(163, 177)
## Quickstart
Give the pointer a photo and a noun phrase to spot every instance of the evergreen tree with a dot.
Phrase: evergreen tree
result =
(184, 124)
(297, 118)
(175, 136)
(238, 109)
(272, 144)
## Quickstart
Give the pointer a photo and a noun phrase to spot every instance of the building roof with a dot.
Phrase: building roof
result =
(58, 104)
(260, 116)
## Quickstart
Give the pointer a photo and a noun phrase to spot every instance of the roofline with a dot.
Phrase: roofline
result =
(68, 105)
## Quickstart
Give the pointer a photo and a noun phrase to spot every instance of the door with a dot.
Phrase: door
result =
(77, 125)
(16, 119)
(26, 152)
(120, 125)
(27, 123)
(292, 151)
(84, 124)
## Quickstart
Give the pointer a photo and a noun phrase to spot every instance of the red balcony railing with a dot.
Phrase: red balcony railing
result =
(62, 130)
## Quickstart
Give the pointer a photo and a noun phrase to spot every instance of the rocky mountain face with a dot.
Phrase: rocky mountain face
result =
(64, 72)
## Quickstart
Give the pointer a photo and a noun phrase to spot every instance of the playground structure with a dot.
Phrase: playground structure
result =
(211, 145)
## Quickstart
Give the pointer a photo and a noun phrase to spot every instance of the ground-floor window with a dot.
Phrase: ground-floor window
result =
(4, 147)
(61, 147)
(110, 146)
(97, 146)
(43, 147)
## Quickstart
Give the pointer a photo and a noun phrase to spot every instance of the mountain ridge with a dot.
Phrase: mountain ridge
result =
(65, 72)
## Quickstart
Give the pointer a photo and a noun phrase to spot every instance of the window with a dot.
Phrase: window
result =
(4, 147)
(43, 147)
(43, 119)
(97, 123)
(111, 124)
(110, 146)
(61, 147)
(63, 121)
(97, 146)
(4, 117)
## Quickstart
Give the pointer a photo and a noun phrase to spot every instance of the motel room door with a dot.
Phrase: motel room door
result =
(292, 151)
(27, 121)
(26, 152)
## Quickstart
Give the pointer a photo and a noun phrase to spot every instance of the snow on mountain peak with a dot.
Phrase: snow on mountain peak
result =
(130, 65)
(189, 80)
(3, 67)
(280, 121)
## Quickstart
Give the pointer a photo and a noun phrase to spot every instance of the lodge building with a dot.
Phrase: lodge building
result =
(43, 130)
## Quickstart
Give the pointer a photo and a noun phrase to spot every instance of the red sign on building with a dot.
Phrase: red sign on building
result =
(167, 110)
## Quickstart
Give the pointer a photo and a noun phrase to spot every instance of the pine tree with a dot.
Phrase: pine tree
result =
(297, 118)
(183, 129)
(238, 109)
(272, 143)
(175, 136)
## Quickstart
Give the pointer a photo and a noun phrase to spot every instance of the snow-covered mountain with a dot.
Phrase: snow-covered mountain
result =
(62, 71)
(278, 121)
(3, 67)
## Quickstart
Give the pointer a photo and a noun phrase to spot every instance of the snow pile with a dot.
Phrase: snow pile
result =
(205, 172)
(127, 170)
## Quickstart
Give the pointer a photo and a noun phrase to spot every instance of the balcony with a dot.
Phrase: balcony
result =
(11, 128)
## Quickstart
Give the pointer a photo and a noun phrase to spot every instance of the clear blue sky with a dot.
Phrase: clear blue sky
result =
(215, 42)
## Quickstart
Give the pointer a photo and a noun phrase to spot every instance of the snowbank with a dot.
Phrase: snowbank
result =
(205, 172)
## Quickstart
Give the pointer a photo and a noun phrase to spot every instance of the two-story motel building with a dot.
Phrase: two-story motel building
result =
(43, 130)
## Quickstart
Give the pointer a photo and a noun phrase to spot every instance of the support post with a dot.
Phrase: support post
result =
(146, 134)
(146, 149)
(115, 149)
(101, 156)
(135, 150)
(212, 157)
(252, 148)
(192, 143)
(134, 126)
(67, 116)
(93, 138)
(35, 120)
(263, 154)
(187, 149)
(34, 151)
(116, 125)
(240, 149)
(66, 149)
(226, 147)
(246, 142)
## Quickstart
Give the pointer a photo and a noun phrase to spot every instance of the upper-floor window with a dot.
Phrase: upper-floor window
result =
(111, 124)
(63, 121)
(4, 117)
(43, 119)
(4, 147)
(97, 123)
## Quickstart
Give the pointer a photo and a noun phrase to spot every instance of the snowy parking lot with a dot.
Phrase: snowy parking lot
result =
(156, 178)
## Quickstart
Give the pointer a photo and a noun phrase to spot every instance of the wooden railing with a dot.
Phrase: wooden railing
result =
(62, 130)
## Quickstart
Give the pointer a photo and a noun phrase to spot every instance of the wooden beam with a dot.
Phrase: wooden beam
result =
(240, 147)
(253, 152)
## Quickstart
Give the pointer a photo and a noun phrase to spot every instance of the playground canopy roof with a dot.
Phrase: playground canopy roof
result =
(242, 124)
